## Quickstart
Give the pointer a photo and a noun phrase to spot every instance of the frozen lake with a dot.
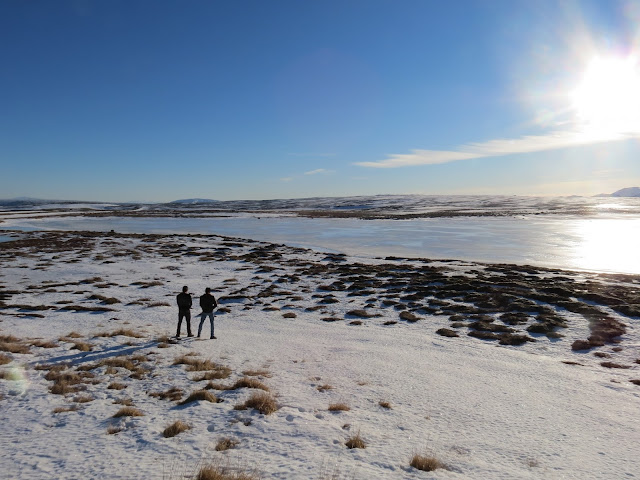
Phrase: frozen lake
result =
(605, 243)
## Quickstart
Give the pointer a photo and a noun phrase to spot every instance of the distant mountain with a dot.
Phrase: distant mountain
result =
(627, 192)
(193, 201)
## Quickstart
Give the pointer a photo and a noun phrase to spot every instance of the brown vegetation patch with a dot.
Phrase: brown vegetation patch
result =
(200, 395)
(385, 404)
(124, 401)
(82, 346)
(447, 332)
(216, 471)
(128, 412)
(324, 388)
(113, 430)
(289, 315)
(226, 443)
(257, 373)
(175, 428)
(14, 346)
(614, 365)
(426, 463)
(360, 313)
(264, 402)
(409, 317)
(122, 331)
(83, 399)
(339, 407)
(174, 394)
(356, 441)
(4, 359)
(116, 386)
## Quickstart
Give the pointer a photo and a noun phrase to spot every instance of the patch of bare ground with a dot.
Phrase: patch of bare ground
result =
(4, 359)
(175, 428)
(226, 443)
(128, 412)
(635, 381)
(264, 402)
(158, 304)
(360, 313)
(200, 395)
(103, 299)
(174, 394)
(614, 365)
(112, 430)
(427, 463)
(356, 441)
(447, 332)
(339, 407)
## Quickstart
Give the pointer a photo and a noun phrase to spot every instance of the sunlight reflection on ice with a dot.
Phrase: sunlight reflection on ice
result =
(605, 243)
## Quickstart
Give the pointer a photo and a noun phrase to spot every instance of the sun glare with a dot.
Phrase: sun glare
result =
(607, 100)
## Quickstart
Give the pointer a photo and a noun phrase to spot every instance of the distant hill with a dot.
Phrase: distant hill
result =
(627, 192)
(193, 201)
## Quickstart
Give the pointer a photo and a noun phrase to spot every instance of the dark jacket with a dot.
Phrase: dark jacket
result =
(208, 303)
(184, 301)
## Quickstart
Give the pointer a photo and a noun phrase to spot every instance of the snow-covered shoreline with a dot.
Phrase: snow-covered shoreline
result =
(290, 316)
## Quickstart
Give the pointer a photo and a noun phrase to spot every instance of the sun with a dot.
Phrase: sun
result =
(607, 100)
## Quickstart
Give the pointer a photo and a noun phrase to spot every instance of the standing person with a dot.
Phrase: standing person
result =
(207, 303)
(184, 306)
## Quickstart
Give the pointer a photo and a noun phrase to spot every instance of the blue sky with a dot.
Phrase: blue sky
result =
(159, 100)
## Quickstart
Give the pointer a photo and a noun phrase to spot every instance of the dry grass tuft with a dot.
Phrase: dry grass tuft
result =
(384, 404)
(339, 407)
(4, 359)
(175, 428)
(82, 346)
(128, 412)
(113, 430)
(264, 402)
(124, 401)
(67, 382)
(219, 372)
(324, 388)
(426, 463)
(356, 441)
(122, 332)
(226, 443)
(116, 386)
(74, 335)
(257, 373)
(217, 471)
(174, 394)
(246, 382)
(199, 395)
(198, 365)
(44, 344)
(83, 399)
(13, 346)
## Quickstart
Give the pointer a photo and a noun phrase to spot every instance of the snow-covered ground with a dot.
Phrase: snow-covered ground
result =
(483, 409)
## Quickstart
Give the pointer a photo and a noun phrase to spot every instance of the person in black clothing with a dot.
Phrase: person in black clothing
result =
(207, 303)
(184, 306)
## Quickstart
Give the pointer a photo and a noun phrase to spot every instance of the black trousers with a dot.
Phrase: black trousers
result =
(186, 314)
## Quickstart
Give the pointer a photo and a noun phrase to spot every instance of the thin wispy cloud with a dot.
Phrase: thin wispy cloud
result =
(493, 148)
(286, 179)
(316, 171)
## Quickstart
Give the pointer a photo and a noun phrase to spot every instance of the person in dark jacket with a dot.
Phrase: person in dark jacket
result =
(207, 303)
(184, 306)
